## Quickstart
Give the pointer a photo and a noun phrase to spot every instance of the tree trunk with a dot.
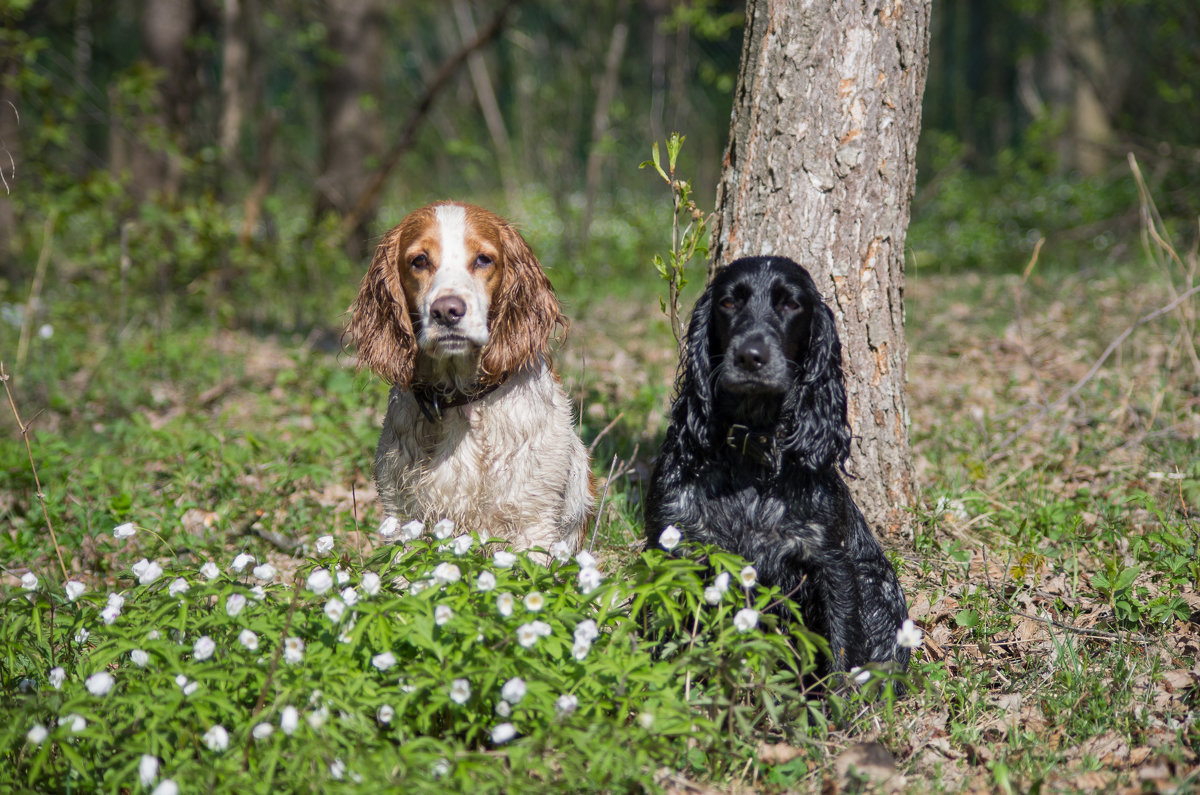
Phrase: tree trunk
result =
(820, 168)
(351, 94)
(235, 79)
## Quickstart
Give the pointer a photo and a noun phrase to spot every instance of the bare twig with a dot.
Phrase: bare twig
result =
(1070, 393)
(600, 507)
(606, 429)
(33, 467)
(408, 132)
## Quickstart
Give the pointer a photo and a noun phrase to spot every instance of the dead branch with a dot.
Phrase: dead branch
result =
(408, 132)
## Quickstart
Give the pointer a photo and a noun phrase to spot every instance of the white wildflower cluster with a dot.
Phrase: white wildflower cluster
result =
(585, 632)
(188, 686)
(529, 634)
(147, 571)
(112, 609)
(589, 573)
(714, 592)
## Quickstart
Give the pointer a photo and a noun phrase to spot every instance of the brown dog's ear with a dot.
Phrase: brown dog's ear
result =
(379, 322)
(524, 311)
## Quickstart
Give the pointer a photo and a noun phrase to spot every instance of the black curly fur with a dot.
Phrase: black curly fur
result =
(753, 457)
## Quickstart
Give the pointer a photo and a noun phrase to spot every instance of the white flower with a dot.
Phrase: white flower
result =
(125, 530)
(166, 787)
(860, 675)
(909, 636)
(748, 576)
(29, 581)
(542, 629)
(38, 734)
(589, 580)
(388, 528)
(257, 593)
(178, 586)
(460, 691)
(712, 594)
(216, 738)
(412, 530)
(527, 635)
(337, 769)
(586, 630)
(566, 704)
(463, 544)
(746, 619)
(513, 690)
(721, 583)
(319, 581)
(210, 571)
(534, 601)
(384, 660)
(324, 545)
(316, 719)
(147, 769)
(440, 768)
(57, 676)
(153, 634)
(442, 614)
(670, 537)
(561, 551)
(486, 581)
(98, 684)
(335, 608)
(503, 709)
(443, 529)
(188, 686)
(415, 588)
(248, 639)
(503, 732)
(504, 603)
(81, 635)
(370, 583)
(386, 713)
(342, 576)
(289, 719)
(109, 614)
(646, 720)
(264, 573)
(139, 658)
(74, 589)
(147, 571)
(204, 648)
(504, 559)
(293, 650)
(446, 573)
(580, 649)
(235, 604)
(74, 722)
(46, 331)
(585, 560)
(241, 562)
(262, 731)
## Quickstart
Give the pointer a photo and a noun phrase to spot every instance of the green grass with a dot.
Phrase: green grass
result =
(1054, 575)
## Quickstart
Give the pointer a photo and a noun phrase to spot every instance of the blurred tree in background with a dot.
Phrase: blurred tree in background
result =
(180, 148)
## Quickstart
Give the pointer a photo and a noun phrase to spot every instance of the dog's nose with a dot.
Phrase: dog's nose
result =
(751, 355)
(448, 310)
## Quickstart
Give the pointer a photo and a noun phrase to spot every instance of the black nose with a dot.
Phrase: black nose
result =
(448, 310)
(752, 355)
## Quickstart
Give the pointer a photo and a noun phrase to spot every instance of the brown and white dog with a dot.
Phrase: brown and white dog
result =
(456, 313)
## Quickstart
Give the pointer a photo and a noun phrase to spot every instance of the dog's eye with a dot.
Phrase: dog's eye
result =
(790, 304)
(419, 262)
(727, 303)
(483, 261)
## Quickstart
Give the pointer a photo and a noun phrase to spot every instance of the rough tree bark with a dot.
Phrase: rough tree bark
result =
(820, 168)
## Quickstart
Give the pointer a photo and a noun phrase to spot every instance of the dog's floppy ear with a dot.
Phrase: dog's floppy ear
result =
(693, 408)
(380, 325)
(524, 311)
(820, 435)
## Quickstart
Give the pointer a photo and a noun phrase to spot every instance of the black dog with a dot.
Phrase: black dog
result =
(752, 457)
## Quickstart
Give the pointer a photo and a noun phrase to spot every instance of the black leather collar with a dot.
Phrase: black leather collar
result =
(434, 401)
(757, 445)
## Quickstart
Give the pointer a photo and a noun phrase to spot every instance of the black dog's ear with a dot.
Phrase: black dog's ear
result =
(820, 433)
(692, 411)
